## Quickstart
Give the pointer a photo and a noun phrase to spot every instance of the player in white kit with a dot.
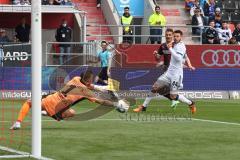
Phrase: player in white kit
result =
(171, 81)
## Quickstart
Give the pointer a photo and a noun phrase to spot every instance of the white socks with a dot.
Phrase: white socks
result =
(148, 99)
(183, 99)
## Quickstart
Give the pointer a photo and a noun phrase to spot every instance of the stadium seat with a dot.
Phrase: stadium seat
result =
(219, 3)
(230, 4)
(225, 16)
(235, 17)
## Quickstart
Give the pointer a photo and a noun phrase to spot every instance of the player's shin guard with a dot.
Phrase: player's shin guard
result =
(183, 99)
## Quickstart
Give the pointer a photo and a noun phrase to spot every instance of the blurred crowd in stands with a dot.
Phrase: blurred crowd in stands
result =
(215, 20)
(44, 2)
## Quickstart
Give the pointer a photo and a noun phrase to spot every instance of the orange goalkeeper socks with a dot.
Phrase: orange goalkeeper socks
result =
(24, 111)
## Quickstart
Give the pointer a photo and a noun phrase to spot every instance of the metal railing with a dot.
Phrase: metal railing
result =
(137, 35)
(80, 54)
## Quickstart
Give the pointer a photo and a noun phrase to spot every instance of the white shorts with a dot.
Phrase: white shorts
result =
(175, 82)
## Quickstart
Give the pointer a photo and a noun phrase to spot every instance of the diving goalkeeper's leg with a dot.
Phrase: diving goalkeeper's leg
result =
(21, 115)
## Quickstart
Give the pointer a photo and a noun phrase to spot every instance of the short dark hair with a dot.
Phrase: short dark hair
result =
(157, 7)
(179, 31)
(104, 42)
(198, 8)
(86, 75)
(126, 8)
(169, 30)
(211, 21)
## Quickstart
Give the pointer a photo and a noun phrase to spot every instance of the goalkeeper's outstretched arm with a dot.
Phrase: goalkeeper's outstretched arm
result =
(106, 102)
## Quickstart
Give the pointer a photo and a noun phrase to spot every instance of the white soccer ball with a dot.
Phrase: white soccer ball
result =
(122, 106)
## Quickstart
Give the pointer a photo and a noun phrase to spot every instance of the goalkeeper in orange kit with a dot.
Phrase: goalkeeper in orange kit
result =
(58, 105)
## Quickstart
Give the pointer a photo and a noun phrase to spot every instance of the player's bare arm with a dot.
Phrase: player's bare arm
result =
(189, 64)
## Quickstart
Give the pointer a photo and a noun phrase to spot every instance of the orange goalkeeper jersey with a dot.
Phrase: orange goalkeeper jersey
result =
(71, 93)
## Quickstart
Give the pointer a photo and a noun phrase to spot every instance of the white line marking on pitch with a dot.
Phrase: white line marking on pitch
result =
(20, 154)
(138, 120)
(220, 122)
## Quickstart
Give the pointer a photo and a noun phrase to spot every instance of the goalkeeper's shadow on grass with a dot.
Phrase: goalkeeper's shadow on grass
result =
(92, 114)
(97, 112)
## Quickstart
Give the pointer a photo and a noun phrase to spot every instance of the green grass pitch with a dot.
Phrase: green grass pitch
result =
(112, 137)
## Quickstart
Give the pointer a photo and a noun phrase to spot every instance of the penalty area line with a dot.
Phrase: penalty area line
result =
(213, 121)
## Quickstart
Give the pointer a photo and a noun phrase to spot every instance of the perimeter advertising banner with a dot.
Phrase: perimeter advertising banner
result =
(136, 7)
(201, 56)
(214, 56)
(234, 94)
(19, 78)
(16, 55)
(21, 94)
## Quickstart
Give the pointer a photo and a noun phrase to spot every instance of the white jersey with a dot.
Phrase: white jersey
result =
(178, 55)
(224, 34)
(174, 74)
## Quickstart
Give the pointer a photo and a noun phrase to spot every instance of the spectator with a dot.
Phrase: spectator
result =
(211, 34)
(127, 20)
(198, 20)
(25, 2)
(23, 31)
(45, 2)
(3, 37)
(156, 22)
(189, 4)
(209, 8)
(98, 3)
(64, 34)
(224, 33)
(202, 2)
(236, 32)
(66, 2)
(217, 17)
(51, 2)
(21, 2)
(16, 2)
(57, 2)
(233, 41)
(196, 5)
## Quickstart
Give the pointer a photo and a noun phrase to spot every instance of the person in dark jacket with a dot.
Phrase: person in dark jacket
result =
(198, 21)
(236, 32)
(23, 31)
(64, 34)
(211, 34)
